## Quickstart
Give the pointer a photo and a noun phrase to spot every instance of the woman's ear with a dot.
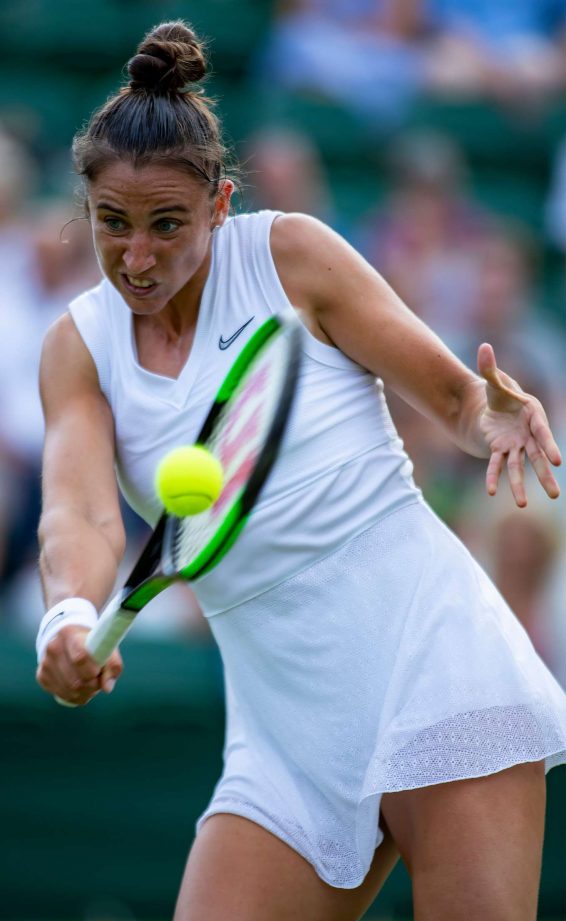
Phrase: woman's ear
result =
(221, 208)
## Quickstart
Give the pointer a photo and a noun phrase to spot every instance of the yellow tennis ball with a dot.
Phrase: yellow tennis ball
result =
(188, 480)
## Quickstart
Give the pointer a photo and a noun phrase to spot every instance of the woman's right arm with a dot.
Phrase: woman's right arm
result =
(81, 533)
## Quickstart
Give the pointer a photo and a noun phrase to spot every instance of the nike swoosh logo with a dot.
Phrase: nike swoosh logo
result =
(226, 343)
(50, 621)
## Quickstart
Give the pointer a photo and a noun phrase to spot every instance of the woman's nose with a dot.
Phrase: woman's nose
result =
(138, 257)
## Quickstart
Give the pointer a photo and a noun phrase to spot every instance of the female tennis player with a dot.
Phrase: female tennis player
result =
(382, 698)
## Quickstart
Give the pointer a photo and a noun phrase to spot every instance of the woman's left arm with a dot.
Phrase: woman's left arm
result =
(346, 303)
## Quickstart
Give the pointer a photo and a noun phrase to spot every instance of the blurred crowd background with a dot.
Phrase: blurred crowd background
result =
(431, 133)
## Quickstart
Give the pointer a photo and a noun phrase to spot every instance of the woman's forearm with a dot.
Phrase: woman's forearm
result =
(77, 558)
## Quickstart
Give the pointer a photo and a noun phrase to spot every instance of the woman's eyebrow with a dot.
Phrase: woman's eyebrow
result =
(106, 206)
(182, 208)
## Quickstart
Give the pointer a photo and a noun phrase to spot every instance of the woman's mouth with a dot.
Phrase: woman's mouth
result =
(141, 287)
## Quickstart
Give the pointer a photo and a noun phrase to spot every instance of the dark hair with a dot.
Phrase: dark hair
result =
(159, 115)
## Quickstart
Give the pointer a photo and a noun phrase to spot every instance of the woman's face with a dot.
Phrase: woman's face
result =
(152, 232)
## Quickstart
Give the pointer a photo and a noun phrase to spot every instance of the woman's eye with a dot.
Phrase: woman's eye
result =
(167, 226)
(114, 224)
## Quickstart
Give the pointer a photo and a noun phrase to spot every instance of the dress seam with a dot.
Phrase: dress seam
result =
(415, 500)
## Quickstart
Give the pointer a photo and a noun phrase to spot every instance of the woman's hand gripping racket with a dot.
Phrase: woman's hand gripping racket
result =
(243, 430)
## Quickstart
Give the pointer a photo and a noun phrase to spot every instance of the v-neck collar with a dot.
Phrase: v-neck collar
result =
(175, 389)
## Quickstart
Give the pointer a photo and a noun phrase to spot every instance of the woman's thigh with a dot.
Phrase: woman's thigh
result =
(238, 870)
(473, 847)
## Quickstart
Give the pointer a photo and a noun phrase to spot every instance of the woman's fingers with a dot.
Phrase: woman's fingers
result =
(525, 431)
(494, 468)
(541, 466)
(111, 672)
(68, 671)
(506, 394)
(516, 474)
(56, 678)
(543, 436)
(487, 365)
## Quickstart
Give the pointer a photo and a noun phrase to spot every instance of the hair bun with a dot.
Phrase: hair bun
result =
(169, 57)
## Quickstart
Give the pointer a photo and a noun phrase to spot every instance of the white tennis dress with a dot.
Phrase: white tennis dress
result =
(365, 651)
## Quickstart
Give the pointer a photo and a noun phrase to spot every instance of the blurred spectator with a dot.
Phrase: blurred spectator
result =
(510, 51)
(57, 267)
(423, 236)
(61, 263)
(440, 467)
(525, 550)
(529, 345)
(469, 275)
(17, 185)
(377, 57)
(521, 548)
(286, 173)
(359, 53)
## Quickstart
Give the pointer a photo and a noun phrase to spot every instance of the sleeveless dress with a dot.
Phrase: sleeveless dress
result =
(365, 651)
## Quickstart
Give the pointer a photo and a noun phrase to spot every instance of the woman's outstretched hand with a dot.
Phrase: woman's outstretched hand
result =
(514, 424)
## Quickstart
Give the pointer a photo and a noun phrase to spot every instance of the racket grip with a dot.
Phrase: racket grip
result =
(110, 629)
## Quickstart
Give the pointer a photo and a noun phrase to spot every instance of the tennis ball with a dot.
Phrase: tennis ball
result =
(188, 480)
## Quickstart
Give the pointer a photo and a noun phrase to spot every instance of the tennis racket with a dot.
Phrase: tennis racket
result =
(244, 430)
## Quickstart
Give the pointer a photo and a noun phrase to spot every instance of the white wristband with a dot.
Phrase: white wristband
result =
(77, 611)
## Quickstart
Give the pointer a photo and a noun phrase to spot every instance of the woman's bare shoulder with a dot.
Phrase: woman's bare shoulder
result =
(67, 368)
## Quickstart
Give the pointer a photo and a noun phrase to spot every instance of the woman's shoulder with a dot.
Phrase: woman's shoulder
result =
(303, 242)
(100, 317)
(278, 231)
(64, 348)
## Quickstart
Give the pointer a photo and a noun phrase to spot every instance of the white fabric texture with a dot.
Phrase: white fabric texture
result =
(391, 664)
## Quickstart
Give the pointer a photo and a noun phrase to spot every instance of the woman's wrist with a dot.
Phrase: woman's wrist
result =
(70, 611)
(473, 402)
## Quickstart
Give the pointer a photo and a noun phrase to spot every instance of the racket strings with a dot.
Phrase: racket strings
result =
(237, 440)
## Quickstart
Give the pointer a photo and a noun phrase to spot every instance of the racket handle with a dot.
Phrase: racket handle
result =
(105, 636)
(110, 629)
